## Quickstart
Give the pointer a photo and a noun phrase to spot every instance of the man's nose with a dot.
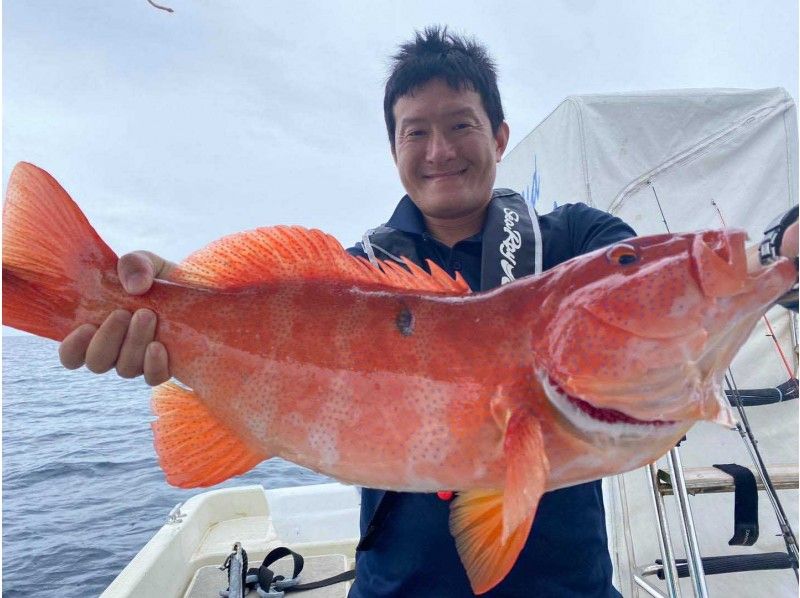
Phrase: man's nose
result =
(440, 147)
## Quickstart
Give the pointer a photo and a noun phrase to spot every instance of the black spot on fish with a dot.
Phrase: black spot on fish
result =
(405, 322)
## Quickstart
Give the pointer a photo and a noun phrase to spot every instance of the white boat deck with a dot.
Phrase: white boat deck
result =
(183, 558)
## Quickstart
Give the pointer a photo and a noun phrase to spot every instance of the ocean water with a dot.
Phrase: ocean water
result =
(82, 490)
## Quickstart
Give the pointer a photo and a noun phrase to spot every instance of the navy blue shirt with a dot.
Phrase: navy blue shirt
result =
(566, 554)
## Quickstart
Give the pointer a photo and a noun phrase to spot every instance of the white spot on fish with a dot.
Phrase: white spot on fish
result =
(681, 306)
(322, 441)
(429, 445)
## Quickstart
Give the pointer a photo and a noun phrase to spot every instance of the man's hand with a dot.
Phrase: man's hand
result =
(788, 248)
(124, 340)
(789, 242)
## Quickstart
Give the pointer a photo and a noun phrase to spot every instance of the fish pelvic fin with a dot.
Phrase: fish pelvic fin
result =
(52, 257)
(195, 449)
(490, 527)
(283, 253)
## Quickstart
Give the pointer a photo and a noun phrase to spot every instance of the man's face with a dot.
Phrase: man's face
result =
(445, 151)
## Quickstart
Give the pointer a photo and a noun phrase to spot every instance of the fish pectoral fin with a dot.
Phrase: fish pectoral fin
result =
(195, 449)
(527, 468)
(490, 527)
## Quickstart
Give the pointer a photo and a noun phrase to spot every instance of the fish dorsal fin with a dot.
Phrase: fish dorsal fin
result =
(281, 253)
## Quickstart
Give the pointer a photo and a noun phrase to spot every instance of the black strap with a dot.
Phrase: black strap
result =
(510, 239)
(266, 579)
(328, 581)
(386, 243)
(512, 243)
(745, 510)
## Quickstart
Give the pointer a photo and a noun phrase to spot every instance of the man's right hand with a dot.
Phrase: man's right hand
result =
(124, 341)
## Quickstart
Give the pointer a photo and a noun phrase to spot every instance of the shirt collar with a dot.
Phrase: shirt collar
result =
(407, 218)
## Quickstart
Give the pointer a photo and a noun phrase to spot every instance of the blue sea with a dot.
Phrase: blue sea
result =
(82, 490)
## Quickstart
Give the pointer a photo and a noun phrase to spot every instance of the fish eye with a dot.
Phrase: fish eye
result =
(622, 254)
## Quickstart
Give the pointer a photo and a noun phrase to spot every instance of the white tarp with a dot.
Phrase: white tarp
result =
(683, 160)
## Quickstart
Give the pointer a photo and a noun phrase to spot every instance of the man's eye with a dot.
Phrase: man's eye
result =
(462, 126)
(415, 133)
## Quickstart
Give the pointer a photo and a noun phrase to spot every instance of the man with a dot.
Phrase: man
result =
(446, 130)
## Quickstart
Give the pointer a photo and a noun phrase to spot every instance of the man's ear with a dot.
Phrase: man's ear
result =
(501, 140)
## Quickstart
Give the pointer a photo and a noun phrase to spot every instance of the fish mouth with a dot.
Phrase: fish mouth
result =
(599, 422)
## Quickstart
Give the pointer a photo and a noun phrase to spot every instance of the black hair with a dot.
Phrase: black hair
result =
(436, 54)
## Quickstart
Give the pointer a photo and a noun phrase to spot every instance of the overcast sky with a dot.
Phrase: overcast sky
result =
(171, 130)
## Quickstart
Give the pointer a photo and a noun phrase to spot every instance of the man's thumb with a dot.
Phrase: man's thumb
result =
(136, 272)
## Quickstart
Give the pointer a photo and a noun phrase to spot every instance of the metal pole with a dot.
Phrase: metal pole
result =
(783, 521)
(664, 541)
(647, 587)
(750, 443)
(693, 558)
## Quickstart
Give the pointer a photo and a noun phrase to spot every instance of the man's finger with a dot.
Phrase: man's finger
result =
(141, 331)
(102, 352)
(156, 364)
(138, 269)
(136, 272)
(72, 350)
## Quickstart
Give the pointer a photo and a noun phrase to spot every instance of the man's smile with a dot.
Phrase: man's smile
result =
(444, 175)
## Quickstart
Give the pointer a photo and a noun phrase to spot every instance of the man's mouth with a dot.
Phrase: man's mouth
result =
(588, 418)
(444, 175)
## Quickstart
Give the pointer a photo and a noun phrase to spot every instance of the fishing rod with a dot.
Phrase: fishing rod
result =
(747, 436)
(663, 218)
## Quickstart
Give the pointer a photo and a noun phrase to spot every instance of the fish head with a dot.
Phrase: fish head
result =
(640, 333)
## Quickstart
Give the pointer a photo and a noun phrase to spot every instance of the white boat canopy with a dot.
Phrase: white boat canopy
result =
(681, 161)
(678, 160)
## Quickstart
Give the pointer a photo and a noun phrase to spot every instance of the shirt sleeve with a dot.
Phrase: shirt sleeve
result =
(592, 229)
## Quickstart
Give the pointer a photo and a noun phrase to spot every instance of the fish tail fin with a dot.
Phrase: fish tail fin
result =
(52, 257)
(196, 449)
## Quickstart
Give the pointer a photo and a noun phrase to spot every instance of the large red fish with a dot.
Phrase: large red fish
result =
(403, 380)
